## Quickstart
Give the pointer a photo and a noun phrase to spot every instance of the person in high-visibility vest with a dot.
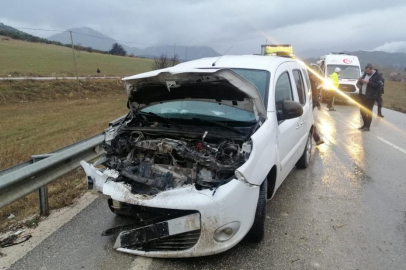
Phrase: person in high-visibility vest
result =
(335, 83)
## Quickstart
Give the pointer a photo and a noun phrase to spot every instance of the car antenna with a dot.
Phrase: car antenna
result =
(214, 63)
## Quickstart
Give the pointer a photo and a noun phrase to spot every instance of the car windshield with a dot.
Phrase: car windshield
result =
(188, 109)
(347, 72)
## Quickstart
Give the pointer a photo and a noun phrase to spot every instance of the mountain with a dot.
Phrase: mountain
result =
(9, 29)
(90, 38)
(383, 59)
(86, 37)
(377, 58)
(183, 52)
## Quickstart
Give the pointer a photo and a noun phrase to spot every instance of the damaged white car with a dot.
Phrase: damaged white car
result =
(202, 149)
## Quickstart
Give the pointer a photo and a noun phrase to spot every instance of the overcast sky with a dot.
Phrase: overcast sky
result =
(245, 25)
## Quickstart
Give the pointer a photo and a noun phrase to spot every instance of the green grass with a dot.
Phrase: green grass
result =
(21, 58)
(395, 96)
(44, 116)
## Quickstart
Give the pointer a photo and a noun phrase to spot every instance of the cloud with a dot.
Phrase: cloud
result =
(221, 23)
(392, 47)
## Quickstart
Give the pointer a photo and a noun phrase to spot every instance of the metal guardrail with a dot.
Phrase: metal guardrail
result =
(25, 178)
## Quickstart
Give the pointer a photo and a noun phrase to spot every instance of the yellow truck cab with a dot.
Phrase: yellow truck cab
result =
(285, 50)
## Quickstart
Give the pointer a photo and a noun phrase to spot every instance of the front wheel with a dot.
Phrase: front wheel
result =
(257, 231)
(304, 160)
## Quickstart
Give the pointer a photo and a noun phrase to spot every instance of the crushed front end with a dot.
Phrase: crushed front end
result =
(176, 176)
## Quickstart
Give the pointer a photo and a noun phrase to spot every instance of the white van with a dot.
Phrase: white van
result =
(350, 72)
(205, 145)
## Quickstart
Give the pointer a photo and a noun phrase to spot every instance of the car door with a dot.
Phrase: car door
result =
(309, 102)
(288, 130)
(302, 93)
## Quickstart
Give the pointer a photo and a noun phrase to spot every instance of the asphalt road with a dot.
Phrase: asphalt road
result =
(346, 211)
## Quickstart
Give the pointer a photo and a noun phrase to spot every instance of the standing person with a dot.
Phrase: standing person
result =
(98, 71)
(314, 84)
(379, 99)
(336, 83)
(369, 84)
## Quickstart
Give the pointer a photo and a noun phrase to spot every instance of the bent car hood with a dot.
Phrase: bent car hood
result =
(213, 85)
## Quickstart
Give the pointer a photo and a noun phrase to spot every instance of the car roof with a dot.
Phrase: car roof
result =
(237, 61)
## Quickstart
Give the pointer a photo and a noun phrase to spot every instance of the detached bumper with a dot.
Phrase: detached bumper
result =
(231, 205)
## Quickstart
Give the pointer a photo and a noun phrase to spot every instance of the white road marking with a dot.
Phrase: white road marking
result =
(141, 263)
(391, 144)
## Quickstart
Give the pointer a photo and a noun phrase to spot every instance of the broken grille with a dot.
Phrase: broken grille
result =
(172, 243)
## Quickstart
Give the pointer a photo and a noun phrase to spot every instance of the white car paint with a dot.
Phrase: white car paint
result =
(275, 144)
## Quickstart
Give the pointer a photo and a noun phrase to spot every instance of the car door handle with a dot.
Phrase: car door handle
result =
(302, 123)
(297, 127)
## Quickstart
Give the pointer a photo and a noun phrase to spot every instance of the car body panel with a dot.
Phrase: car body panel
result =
(274, 144)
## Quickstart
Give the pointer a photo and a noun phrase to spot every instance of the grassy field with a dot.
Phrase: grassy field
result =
(38, 117)
(18, 58)
(395, 96)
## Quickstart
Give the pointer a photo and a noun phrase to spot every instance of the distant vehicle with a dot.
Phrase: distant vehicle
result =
(285, 50)
(202, 150)
(350, 72)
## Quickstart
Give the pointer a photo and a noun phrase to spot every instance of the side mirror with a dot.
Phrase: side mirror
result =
(290, 109)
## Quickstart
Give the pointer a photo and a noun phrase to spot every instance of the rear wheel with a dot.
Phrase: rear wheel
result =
(257, 231)
(304, 160)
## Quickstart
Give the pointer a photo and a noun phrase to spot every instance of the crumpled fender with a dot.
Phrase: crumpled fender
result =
(264, 154)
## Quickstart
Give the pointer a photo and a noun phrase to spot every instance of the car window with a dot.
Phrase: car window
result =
(259, 78)
(306, 75)
(283, 90)
(301, 91)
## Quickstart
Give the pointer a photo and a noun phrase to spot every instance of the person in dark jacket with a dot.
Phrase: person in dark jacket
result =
(314, 84)
(369, 84)
(379, 99)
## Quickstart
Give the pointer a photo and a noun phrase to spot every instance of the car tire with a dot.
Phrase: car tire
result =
(304, 160)
(257, 232)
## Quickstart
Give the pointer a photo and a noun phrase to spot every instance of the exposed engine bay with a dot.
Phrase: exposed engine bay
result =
(151, 161)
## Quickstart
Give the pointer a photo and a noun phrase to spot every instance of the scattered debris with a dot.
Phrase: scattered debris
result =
(14, 239)
(11, 216)
(335, 227)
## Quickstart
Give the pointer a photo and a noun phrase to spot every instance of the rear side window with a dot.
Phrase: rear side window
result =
(301, 91)
(283, 90)
(306, 78)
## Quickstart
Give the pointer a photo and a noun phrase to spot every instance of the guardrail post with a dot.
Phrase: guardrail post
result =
(42, 191)
(43, 201)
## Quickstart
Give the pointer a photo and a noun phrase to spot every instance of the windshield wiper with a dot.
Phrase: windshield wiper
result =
(219, 124)
(161, 117)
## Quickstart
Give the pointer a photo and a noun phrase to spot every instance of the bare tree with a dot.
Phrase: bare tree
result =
(161, 62)
(175, 60)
